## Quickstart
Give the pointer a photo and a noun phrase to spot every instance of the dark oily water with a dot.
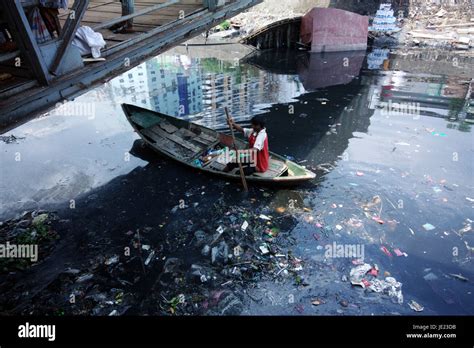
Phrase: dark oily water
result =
(393, 150)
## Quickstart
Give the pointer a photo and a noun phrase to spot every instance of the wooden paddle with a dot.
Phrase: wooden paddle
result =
(242, 174)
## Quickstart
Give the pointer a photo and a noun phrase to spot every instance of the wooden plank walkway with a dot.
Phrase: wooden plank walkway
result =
(152, 34)
(100, 11)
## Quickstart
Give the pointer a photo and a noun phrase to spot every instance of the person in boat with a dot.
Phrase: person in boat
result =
(257, 157)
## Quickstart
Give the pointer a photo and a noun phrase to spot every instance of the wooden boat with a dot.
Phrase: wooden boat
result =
(188, 143)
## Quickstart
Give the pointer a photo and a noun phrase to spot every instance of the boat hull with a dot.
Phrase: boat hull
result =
(223, 138)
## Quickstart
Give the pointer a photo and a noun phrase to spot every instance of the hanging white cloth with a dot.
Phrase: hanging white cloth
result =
(89, 42)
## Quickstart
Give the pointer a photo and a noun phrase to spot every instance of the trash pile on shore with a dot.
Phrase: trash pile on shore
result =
(237, 245)
(210, 258)
(444, 27)
(250, 22)
(25, 240)
(271, 11)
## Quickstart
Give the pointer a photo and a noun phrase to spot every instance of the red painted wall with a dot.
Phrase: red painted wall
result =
(332, 30)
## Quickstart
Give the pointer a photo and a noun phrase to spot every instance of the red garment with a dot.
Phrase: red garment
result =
(263, 156)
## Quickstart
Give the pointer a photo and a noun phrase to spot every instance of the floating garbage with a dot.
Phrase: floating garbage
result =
(459, 277)
(265, 217)
(112, 260)
(389, 286)
(467, 227)
(11, 139)
(344, 303)
(386, 251)
(428, 227)
(84, 278)
(374, 271)
(416, 306)
(399, 253)
(355, 223)
(358, 273)
(376, 201)
(149, 258)
(317, 302)
(264, 249)
(439, 134)
(378, 220)
(40, 219)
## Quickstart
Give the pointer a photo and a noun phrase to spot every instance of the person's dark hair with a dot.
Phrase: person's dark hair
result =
(258, 121)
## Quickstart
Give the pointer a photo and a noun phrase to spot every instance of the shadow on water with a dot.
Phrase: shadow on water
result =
(315, 70)
(334, 92)
(101, 226)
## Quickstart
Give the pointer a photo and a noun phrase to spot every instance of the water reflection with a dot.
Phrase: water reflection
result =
(315, 104)
(314, 70)
(72, 153)
(199, 89)
(377, 58)
(400, 135)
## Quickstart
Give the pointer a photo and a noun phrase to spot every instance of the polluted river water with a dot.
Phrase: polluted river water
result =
(140, 234)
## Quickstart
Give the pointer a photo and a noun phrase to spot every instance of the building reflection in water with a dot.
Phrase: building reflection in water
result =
(199, 89)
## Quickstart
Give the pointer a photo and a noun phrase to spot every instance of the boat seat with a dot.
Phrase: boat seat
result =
(168, 127)
(275, 169)
(186, 133)
(177, 139)
(199, 139)
(167, 145)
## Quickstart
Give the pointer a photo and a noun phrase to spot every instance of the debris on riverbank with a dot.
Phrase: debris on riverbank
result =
(366, 276)
(18, 235)
(10, 139)
(424, 24)
(444, 27)
(236, 246)
(271, 11)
